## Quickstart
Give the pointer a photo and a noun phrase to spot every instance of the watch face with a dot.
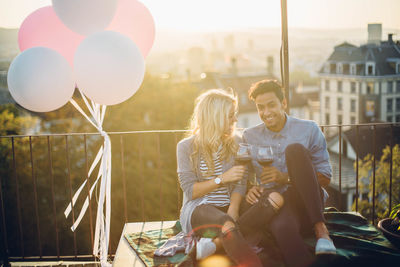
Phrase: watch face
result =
(217, 180)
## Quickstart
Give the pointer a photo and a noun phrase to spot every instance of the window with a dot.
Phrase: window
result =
(397, 118)
(353, 87)
(333, 68)
(353, 69)
(327, 85)
(327, 121)
(339, 103)
(389, 105)
(353, 105)
(389, 87)
(398, 87)
(344, 152)
(389, 118)
(397, 104)
(340, 119)
(370, 88)
(340, 86)
(339, 68)
(370, 69)
(353, 120)
(327, 102)
(398, 68)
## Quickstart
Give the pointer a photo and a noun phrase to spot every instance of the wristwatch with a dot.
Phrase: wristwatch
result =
(217, 181)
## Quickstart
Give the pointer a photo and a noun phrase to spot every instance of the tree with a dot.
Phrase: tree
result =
(382, 182)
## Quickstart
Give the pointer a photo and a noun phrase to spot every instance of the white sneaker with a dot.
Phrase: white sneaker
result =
(204, 248)
(325, 246)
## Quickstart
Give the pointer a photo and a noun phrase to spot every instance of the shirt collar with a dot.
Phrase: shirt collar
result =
(282, 133)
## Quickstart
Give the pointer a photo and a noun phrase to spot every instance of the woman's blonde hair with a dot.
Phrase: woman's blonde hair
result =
(210, 125)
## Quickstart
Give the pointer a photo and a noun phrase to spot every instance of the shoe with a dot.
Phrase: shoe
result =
(205, 247)
(325, 246)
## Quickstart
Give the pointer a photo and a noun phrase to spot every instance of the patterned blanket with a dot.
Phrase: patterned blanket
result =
(358, 244)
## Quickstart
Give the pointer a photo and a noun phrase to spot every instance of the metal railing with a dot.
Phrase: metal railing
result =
(40, 174)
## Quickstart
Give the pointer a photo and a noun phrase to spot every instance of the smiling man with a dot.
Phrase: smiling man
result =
(300, 169)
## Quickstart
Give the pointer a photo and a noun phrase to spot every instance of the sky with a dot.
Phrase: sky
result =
(209, 15)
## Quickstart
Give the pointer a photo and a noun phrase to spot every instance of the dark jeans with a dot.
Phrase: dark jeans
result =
(302, 209)
(208, 220)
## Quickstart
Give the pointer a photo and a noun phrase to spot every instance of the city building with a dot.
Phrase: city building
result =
(362, 84)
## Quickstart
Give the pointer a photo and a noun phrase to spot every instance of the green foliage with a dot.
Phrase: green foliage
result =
(395, 215)
(13, 121)
(382, 182)
(159, 104)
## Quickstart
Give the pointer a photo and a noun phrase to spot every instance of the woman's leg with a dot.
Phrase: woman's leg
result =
(209, 219)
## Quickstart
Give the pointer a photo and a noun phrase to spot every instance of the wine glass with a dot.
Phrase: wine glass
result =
(265, 155)
(243, 157)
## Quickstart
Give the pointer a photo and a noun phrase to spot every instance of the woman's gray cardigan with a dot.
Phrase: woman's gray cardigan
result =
(188, 175)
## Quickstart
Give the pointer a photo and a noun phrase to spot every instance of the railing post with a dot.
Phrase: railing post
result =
(340, 166)
(373, 172)
(3, 235)
(391, 169)
(285, 52)
(357, 151)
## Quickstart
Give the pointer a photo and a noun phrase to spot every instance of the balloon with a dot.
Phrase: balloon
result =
(40, 79)
(44, 28)
(85, 16)
(134, 20)
(108, 67)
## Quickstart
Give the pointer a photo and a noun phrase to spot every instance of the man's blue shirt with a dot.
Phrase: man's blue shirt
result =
(304, 132)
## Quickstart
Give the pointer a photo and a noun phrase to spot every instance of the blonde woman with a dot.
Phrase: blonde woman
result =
(210, 180)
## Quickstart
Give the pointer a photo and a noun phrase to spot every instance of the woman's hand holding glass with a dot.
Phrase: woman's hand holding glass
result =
(234, 174)
(243, 158)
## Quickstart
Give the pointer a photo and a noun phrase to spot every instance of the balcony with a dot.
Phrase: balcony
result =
(40, 174)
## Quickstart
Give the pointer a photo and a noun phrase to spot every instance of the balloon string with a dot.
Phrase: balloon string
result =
(102, 228)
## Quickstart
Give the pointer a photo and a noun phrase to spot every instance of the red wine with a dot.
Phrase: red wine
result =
(243, 160)
(265, 162)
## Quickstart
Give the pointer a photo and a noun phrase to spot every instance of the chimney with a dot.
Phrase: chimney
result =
(270, 65)
(390, 38)
(374, 33)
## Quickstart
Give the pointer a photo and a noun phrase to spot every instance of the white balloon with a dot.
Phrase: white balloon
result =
(85, 16)
(108, 67)
(40, 79)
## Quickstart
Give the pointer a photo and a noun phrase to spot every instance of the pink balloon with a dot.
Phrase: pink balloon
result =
(44, 28)
(134, 20)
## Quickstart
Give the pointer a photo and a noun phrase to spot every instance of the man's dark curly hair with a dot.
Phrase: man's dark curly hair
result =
(266, 86)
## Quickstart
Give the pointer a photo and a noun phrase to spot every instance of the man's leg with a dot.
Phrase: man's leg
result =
(305, 182)
(258, 215)
(285, 227)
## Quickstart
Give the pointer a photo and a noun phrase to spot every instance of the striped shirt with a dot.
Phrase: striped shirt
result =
(219, 197)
